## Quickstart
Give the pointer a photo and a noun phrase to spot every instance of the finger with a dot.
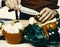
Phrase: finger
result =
(45, 14)
(15, 4)
(16, 8)
(7, 3)
(51, 17)
(11, 4)
(43, 10)
(18, 1)
(47, 17)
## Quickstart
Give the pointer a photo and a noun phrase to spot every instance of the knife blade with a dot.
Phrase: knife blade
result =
(28, 10)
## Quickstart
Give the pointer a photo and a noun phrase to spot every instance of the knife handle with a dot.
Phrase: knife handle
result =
(10, 10)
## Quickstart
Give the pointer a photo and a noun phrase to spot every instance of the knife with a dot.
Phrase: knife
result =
(26, 10)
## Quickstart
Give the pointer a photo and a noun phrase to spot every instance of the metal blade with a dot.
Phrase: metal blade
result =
(28, 10)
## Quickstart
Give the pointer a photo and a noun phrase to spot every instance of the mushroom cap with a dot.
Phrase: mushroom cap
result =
(32, 20)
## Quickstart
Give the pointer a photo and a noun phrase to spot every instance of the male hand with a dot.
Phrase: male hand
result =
(46, 14)
(13, 4)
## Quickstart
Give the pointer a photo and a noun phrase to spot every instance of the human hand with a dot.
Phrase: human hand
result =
(13, 4)
(46, 14)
